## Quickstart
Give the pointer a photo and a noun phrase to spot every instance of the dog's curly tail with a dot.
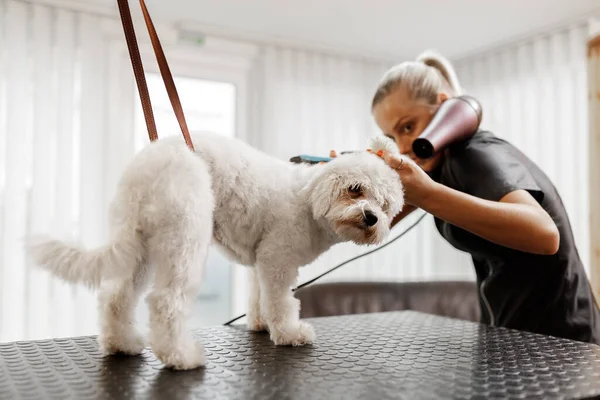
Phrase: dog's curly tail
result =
(77, 265)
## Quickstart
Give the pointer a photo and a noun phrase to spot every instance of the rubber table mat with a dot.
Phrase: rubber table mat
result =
(370, 356)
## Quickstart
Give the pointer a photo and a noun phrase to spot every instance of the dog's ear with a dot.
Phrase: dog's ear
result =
(381, 142)
(321, 191)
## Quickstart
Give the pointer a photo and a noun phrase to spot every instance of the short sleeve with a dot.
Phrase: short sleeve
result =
(491, 169)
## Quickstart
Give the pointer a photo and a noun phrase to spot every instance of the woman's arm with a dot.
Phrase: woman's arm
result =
(516, 221)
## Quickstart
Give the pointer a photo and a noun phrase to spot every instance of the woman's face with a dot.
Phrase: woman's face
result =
(402, 119)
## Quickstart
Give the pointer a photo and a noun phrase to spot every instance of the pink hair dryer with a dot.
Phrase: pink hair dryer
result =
(456, 119)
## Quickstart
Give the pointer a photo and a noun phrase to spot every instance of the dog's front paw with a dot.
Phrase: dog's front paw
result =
(131, 344)
(182, 359)
(298, 335)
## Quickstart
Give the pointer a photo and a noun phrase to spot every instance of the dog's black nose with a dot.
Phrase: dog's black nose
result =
(370, 218)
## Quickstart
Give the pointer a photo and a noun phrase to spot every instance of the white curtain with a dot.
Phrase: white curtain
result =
(52, 126)
(534, 94)
(67, 130)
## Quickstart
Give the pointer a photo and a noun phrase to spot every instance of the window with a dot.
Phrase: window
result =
(208, 105)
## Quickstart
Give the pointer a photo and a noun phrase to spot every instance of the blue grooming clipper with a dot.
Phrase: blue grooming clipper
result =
(306, 159)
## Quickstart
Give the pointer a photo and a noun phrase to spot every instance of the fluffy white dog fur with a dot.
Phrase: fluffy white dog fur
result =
(265, 213)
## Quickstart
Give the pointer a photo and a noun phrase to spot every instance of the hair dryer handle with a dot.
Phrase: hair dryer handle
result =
(457, 119)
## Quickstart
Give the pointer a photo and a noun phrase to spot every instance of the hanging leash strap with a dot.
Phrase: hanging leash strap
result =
(140, 78)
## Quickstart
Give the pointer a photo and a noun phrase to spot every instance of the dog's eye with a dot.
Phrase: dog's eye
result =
(355, 189)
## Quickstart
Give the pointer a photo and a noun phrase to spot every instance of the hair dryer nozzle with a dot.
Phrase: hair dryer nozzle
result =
(456, 119)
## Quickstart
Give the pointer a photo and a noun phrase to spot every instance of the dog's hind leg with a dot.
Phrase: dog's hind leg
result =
(255, 319)
(180, 265)
(117, 301)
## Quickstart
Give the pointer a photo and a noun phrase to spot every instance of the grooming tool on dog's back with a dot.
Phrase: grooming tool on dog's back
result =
(138, 70)
(456, 119)
(305, 159)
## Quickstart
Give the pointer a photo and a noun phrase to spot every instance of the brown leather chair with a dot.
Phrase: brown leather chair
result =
(454, 299)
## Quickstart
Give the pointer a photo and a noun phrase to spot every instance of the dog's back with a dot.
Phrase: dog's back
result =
(252, 191)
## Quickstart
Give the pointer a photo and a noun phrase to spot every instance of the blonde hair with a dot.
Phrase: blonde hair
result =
(424, 78)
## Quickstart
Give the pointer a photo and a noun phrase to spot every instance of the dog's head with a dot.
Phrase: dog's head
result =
(358, 194)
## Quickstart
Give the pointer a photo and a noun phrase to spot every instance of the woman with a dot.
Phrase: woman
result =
(489, 200)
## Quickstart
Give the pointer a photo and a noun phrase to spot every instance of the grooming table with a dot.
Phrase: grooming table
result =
(370, 356)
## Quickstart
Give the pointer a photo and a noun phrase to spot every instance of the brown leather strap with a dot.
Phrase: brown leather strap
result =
(167, 77)
(138, 70)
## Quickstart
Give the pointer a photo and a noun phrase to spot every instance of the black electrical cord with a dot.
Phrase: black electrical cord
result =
(347, 261)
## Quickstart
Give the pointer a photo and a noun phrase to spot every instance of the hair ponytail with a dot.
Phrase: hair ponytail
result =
(440, 63)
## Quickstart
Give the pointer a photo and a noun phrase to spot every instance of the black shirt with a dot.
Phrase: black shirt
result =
(547, 294)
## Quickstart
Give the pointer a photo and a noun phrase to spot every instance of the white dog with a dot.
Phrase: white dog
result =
(272, 215)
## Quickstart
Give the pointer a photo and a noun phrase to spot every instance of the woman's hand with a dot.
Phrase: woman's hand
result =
(418, 186)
